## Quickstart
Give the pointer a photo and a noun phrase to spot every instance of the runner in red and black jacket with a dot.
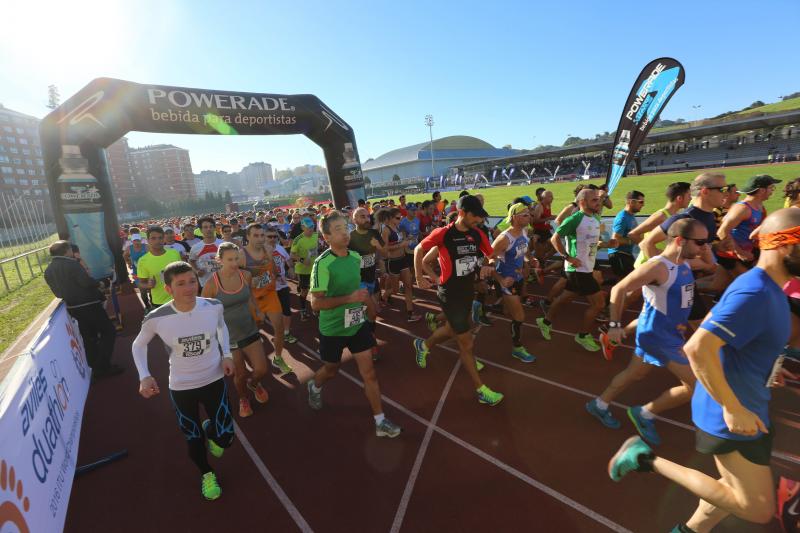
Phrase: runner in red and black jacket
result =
(462, 248)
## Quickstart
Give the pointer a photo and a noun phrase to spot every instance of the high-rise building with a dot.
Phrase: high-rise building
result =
(219, 181)
(164, 172)
(21, 164)
(120, 168)
(255, 177)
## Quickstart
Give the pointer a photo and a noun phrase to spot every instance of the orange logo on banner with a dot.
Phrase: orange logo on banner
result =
(10, 512)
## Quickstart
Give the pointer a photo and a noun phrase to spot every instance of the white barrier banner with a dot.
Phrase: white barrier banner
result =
(41, 407)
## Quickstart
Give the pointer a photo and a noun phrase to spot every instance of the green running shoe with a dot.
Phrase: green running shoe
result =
(289, 338)
(588, 342)
(215, 449)
(430, 319)
(314, 397)
(627, 458)
(478, 365)
(209, 486)
(488, 396)
(282, 365)
(422, 353)
(522, 354)
(544, 328)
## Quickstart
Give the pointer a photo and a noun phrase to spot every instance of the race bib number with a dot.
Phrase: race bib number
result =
(367, 260)
(412, 241)
(776, 370)
(687, 296)
(354, 316)
(312, 254)
(193, 346)
(465, 265)
(592, 250)
(259, 282)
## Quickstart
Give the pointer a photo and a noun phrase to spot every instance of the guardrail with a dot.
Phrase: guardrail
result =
(18, 270)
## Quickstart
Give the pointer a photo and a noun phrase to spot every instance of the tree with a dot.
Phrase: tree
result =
(395, 179)
(267, 193)
(367, 181)
(228, 198)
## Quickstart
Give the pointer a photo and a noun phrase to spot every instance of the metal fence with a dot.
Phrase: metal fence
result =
(25, 234)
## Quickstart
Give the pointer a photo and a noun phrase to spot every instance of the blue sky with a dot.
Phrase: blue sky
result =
(519, 73)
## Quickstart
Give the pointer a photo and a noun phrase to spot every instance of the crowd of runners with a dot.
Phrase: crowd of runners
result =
(713, 275)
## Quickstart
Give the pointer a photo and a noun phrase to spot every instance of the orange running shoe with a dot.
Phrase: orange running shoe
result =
(608, 346)
(259, 392)
(244, 408)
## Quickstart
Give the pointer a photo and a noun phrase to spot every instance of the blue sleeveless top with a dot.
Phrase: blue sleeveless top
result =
(666, 308)
(512, 261)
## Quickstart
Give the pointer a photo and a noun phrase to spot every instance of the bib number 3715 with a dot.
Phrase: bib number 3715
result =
(354, 316)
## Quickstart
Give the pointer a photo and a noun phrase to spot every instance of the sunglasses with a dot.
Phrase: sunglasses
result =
(724, 189)
(698, 242)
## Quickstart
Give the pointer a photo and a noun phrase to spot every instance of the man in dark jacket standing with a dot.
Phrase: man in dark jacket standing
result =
(84, 300)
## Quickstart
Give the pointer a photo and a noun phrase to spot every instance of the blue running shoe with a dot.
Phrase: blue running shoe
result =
(522, 354)
(604, 416)
(627, 458)
(476, 312)
(645, 427)
(422, 353)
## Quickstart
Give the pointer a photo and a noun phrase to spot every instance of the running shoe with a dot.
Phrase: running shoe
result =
(645, 427)
(483, 320)
(544, 328)
(244, 408)
(588, 342)
(258, 391)
(627, 458)
(422, 353)
(602, 316)
(289, 338)
(413, 317)
(215, 449)
(282, 365)
(543, 305)
(522, 354)
(607, 345)
(530, 301)
(488, 396)
(387, 428)
(479, 366)
(209, 486)
(314, 398)
(476, 312)
(303, 315)
(430, 319)
(603, 415)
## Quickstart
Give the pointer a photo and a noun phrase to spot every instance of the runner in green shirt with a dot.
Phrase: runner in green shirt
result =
(151, 265)
(304, 251)
(343, 309)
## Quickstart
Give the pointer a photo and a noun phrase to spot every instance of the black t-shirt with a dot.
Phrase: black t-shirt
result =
(295, 230)
(360, 242)
(706, 217)
(460, 254)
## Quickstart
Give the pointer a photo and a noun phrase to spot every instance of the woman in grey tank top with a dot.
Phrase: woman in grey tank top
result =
(231, 286)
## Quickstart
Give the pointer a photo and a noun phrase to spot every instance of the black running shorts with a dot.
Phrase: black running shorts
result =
(331, 348)
(758, 451)
(582, 283)
(457, 307)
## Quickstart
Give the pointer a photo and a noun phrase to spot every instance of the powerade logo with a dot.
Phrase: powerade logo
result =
(652, 94)
(81, 193)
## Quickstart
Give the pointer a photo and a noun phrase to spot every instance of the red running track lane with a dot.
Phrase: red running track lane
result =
(536, 461)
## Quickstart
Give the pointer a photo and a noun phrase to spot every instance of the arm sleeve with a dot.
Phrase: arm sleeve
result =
(319, 277)
(436, 238)
(222, 334)
(81, 277)
(139, 348)
(733, 317)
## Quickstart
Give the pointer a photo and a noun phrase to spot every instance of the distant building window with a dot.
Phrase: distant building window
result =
(8, 129)
(17, 161)
(20, 131)
(7, 170)
(34, 182)
(23, 141)
(13, 149)
(12, 140)
(4, 159)
(9, 181)
(29, 162)
(37, 192)
(37, 151)
(21, 171)
(23, 181)
(31, 172)
(26, 151)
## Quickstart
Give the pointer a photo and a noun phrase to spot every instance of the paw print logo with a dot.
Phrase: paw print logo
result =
(14, 503)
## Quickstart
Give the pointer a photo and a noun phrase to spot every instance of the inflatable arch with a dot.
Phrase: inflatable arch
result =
(75, 135)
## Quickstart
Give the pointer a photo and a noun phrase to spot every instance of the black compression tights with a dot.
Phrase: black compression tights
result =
(516, 332)
(214, 398)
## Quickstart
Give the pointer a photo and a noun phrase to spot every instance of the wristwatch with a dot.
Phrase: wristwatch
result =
(612, 324)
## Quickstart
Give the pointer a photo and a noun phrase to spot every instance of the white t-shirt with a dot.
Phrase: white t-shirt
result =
(205, 255)
(192, 340)
(280, 256)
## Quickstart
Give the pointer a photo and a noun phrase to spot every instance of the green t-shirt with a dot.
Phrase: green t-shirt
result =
(152, 266)
(306, 249)
(339, 276)
(582, 234)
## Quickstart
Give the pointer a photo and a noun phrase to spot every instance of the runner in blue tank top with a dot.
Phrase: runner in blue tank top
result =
(511, 249)
(735, 356)
(667, 285)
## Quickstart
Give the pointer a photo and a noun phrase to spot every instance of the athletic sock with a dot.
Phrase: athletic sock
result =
(548, 322)
(285, 332)
(379, 418)
(645, 461)
(315, 388)
(603, 406)
(647, 415)
(682, 528)
(582, 334)
(516, 332)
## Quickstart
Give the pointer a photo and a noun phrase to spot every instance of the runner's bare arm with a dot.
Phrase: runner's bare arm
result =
(637, 234)
(656, 236)
(209, 289)
(650, 272)
(737, 214)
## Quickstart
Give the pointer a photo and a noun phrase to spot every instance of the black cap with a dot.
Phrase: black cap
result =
(471, 204)
(762, 181)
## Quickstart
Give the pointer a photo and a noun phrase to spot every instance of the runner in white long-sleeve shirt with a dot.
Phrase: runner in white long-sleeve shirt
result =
(193, 329)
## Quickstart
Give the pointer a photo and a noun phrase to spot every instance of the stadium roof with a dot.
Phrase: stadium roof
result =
(415, 152)
(732, 126)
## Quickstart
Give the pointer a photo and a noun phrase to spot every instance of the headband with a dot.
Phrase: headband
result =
(784, 237)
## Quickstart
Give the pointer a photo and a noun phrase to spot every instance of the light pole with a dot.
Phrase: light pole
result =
(429, 123)
(696, 109)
